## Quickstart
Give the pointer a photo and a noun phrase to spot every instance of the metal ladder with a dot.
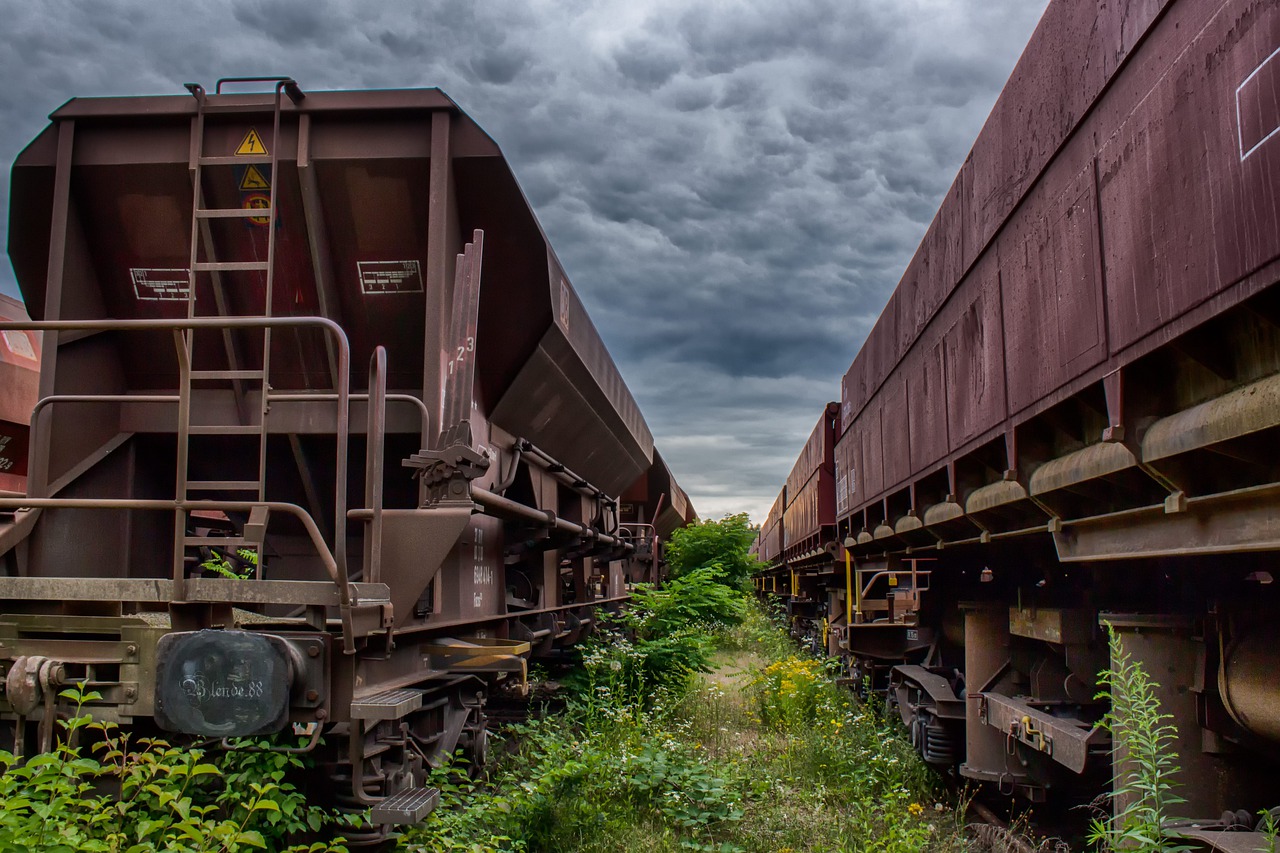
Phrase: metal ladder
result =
(251, 422)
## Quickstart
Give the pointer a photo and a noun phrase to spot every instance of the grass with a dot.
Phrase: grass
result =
(762, 753)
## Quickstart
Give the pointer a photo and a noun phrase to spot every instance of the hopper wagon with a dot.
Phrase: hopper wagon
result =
(325, 441)
(1067, 417)
(19, 385)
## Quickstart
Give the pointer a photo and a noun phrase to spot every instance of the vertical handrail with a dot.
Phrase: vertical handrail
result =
(375, 446)
(182, 341)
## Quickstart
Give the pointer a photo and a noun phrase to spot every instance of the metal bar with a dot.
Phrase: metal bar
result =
(343, 396)
(319, 593)
(236, 160)
(318, 238)
(375, 445)
(38, 466)
(226, 374)
(232, 212)
(329, 560)
(228, 266)
(436, 310)
(848, 590)
(505, 506)
(182, 340)
(542, 459)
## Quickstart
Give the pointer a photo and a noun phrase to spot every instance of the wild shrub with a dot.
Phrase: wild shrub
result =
(1146, 739)
(725, 543)
(659, 642)
(168, 798)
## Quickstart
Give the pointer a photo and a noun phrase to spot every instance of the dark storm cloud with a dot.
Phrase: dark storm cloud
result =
(733, 187)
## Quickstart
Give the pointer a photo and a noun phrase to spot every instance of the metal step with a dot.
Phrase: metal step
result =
(408, 806)
(223, 485)
(233, 212)
(388, 705)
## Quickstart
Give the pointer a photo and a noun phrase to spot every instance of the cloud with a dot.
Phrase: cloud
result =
(734, 187)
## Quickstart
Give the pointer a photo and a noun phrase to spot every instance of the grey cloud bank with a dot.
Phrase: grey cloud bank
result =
(733, 187)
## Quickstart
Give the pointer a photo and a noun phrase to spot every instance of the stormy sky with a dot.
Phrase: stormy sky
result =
(734, 188)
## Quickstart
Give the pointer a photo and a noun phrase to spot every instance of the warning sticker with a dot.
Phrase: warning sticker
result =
(254, 179)
(160, 285)
(251, 145)
(19, 344)
(378, 277)
(257, 201)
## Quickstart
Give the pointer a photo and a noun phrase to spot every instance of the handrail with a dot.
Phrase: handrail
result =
(891, 573)
(375, 450)
(309, 523)
(339, 554)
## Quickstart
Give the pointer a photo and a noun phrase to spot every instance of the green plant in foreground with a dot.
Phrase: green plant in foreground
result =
(167, 798)
(1145, 739)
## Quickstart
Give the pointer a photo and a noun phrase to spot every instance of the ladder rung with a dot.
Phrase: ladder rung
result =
(237, 160)
(229, 541)
(223, 485)
(224, 429)
(227, 374)
(233, 212)
(231, 266)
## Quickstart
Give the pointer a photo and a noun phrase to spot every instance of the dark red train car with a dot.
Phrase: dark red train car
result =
(810, 490)
(19, 389)
(320, 413)
(1068, 410)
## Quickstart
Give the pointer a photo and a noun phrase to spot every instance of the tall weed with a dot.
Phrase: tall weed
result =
(1146, 741)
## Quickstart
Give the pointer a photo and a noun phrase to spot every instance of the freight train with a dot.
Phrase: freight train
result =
(325, 444)
(1067, 417)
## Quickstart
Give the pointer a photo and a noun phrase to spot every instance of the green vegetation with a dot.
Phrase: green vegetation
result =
(722, 544)
(1145, 737)
(161, 797)
(696, 725)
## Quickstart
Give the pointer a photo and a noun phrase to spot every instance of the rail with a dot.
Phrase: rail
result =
(375, 447)
(335, 561)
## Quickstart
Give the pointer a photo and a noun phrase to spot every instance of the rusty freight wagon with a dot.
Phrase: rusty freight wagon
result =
(19, 385)
(325, 437)
(1068, 414)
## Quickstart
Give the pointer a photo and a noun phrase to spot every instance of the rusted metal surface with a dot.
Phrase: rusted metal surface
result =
(204, 270)
(1069, 405)
(1058, 213)
(818, 451)
(1064, 740)
(19, 388)
(1234, 841)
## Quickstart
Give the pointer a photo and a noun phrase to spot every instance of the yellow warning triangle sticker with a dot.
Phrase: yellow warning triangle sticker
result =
(253, 180)
(251, 145)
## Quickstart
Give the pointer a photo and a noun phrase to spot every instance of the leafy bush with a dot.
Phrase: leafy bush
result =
(659, 642)
(725, 544)
(168, 798)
